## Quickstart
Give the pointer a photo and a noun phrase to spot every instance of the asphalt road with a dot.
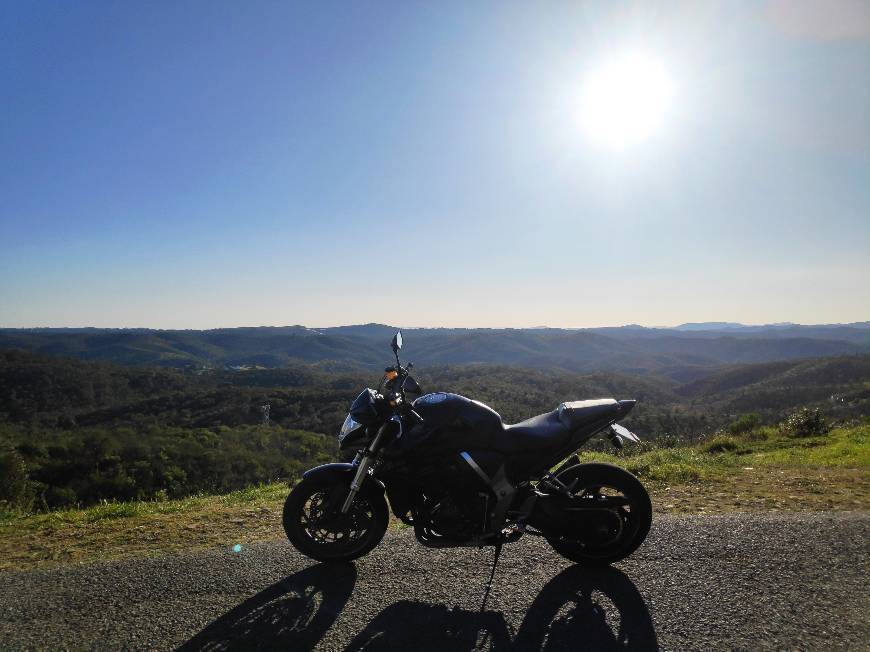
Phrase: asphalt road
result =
(794, 581)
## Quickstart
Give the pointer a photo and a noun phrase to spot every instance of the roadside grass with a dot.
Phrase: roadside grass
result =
(761, 469)
(112, 529)
(111, 509)
(769, 447)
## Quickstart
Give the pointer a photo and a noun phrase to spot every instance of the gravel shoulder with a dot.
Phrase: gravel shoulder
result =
(737, 581)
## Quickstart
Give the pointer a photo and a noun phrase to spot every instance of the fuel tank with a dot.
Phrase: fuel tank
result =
(451, 423)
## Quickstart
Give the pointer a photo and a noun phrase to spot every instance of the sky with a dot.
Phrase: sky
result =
(505, 164)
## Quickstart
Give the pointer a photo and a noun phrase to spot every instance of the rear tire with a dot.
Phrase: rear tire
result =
(628, 525)
(316, 528)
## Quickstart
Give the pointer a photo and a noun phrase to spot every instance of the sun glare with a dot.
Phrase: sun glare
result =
(626, 100)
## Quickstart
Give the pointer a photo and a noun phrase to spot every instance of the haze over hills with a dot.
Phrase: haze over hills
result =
(683, 353)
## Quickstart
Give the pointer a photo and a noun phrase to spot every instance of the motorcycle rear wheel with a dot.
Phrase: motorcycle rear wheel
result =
(605, 535)
(315, 526)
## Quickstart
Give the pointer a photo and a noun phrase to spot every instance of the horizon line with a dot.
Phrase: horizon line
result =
(724, 325)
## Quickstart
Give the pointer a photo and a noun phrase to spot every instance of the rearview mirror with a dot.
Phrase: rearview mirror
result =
(397, 342)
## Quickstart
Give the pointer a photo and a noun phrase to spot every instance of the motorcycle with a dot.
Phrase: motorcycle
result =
(459, 476)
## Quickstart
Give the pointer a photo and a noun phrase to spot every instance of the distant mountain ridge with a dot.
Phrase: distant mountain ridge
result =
(674, 352)
(727, 325)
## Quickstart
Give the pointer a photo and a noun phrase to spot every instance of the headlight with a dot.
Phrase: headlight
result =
(348, 427)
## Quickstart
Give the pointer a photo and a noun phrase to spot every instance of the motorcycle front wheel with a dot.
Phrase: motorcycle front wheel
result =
(314, 524)
(609, 517)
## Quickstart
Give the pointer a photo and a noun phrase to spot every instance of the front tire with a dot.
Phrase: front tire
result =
(601, 536)
(315, 526)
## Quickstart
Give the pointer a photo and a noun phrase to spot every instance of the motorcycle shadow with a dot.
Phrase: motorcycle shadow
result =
(588, 609)
(580, 609)
(292, 614)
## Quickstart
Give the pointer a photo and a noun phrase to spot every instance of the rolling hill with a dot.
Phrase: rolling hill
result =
(682, 355)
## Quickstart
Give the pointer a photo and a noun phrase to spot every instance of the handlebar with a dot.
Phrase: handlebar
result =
(395, 376)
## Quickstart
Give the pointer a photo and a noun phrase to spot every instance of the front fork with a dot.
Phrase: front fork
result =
(364, 461)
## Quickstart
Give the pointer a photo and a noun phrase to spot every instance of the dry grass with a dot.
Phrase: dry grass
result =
(767, 489)
(116, 530)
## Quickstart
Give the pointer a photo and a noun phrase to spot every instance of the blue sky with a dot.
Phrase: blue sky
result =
(206, 164)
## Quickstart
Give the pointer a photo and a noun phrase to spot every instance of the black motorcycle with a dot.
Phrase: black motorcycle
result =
(459, 476)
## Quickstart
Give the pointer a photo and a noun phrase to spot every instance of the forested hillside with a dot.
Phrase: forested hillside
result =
(75, 431)
(680, 354)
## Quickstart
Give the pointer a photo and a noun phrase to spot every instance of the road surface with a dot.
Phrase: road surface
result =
(779, 581)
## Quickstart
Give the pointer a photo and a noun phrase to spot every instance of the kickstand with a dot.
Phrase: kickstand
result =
(491, 575)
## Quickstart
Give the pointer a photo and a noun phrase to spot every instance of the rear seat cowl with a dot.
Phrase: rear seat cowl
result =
(576, 413)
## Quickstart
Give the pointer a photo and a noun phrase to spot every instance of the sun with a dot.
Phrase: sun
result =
(626, 100)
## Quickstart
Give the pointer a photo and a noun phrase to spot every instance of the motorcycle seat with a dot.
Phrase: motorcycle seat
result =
(553, 430)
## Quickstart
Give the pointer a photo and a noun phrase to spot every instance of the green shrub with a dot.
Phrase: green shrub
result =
(90, 465)
(720, 444)
(15, 490)
(668, 440)
(806, 423)
(760, 434)
(743, 423)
